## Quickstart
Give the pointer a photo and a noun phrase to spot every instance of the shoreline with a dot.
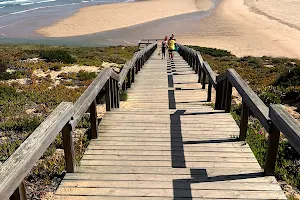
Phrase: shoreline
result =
(120, 15)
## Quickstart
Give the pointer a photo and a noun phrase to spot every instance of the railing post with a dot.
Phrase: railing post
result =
(124, 85)
(223, 95)
(94, 120)
(219, 92)
(20, 193)
(108, 95)
(203, 79)
(112, 91)
(244, 121)
(209, 91)
(132, 75)
(271, 154)
(199, 72)
(136, 66)
(68, 144)
(128, 79)
(117, 95)
(196, 66)
(228, 96)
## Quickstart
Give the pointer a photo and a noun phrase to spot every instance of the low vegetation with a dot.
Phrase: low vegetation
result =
(275, 80)
(34, 79)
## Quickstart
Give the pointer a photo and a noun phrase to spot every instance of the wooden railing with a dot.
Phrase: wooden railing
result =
(149, 41)
(274, 118)
(65, 118)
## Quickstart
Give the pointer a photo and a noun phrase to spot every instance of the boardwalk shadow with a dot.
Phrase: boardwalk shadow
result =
(182, 187)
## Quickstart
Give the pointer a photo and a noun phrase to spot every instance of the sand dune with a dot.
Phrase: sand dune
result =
(105, 17)
(264, 28)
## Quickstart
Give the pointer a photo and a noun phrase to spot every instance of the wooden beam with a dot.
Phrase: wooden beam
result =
(244, 121)
(254, 103)
(271, 155)
(68, 144)
(94, 120)
(287, 124)
(108, 95)
(19, 164)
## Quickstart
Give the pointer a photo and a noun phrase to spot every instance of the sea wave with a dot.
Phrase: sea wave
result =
(45, 1)
(37, 8)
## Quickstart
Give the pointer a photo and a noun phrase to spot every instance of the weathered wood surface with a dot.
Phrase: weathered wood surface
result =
(166, 143)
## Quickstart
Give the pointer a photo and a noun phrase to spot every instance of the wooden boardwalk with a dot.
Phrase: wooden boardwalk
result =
(168, 144)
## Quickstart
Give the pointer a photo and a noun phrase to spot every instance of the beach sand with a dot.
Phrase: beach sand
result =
(251, 27)
(244, 27)
(105, 17)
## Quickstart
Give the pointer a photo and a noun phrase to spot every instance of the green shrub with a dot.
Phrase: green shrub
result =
(123, 95)
(3, 66)
(84, 75)
(212, 51)
(20, 125)
(289, 78)
(57, 56)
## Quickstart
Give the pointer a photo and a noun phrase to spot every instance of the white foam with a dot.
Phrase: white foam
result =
(7, 2)
(45, 1)
(32, 9)
(25, 4)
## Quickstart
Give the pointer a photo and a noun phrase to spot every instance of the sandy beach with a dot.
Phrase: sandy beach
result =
(244, 27)
(250, 27)
(105, 17)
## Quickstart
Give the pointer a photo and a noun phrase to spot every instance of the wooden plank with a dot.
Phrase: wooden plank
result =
(249, 178)
(80, 197)
(169, 185)
(19, 164)
(169, 193)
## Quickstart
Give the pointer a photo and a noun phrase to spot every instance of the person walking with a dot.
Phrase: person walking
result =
(164, 45)
(171, 48)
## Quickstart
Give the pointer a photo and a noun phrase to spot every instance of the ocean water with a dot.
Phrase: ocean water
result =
(19, 18)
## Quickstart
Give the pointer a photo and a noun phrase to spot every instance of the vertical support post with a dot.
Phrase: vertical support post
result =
(117, 95)
(94, 120)
(132, 75)
(228, 96)
(196, 67)
(209, 91)
(203, 79)
(19, 193)
(244, 121)
(68, 144)
(219, 91)
(193, 62)
(223, 95)
(107, 95)
(199, 73)
(273, 141)
(128, 79)
(112, 91)
(124, 85)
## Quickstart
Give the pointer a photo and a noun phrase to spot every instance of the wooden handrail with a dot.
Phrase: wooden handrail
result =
(287, 124)
(273, 119)
(19, 164)
(254, 103)
(65, 118)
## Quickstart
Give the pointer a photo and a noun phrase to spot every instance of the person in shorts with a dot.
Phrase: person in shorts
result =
(164, 45)
(171, 48)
